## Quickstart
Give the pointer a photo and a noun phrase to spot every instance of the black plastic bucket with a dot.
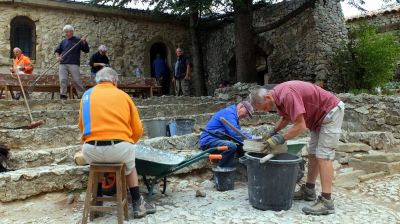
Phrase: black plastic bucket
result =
(271, 185)
(224, 178)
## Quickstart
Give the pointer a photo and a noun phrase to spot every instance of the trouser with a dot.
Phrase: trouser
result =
(182, 87)
(63, 71)
(227, 155)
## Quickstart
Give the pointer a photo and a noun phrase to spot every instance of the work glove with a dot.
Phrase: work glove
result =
(272, 142)
(270, 133)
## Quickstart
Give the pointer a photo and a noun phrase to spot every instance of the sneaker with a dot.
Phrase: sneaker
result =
(141, 208)
(305, 193)
(321, 207)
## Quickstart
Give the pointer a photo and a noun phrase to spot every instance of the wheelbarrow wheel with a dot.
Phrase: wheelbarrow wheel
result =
(108, 184)
(164, 185)
(146, 182)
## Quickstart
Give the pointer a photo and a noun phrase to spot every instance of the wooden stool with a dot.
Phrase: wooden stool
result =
(91, 192)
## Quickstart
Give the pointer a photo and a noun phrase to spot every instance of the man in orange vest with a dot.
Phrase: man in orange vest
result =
(22, 65)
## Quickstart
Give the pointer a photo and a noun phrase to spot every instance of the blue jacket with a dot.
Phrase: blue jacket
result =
(73, 57)
(214, 124)
(160, 68)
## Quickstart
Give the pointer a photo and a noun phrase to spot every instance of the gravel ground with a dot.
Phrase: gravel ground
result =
(367, 204)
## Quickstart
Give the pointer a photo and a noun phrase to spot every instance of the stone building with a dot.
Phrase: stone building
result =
(132, 36)
(302, 48)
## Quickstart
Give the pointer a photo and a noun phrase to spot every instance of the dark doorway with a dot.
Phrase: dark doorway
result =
(261, 65)
(157, 48)
(22, 35)
(232, 74)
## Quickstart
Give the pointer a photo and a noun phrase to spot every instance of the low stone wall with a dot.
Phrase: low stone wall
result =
(371, 113)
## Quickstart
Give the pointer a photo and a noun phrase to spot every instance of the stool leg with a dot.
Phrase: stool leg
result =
(88, 198)
(120, 209)
(94, 194)
(124, 194)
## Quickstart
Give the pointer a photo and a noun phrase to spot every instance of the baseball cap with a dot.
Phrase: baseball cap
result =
(248, 107)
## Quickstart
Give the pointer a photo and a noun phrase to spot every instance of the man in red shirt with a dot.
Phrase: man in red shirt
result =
(306, 105)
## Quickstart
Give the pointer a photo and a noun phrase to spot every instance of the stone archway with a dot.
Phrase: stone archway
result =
(23, 35)
(158, 48)
(164, 47)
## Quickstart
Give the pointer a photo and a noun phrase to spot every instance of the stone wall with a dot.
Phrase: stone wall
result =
(300, 49)
(128, 34)
(363, 113)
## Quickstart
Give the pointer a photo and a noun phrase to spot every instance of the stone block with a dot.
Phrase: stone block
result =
(381, 157)
(373, 167)
(353, 147)
(377, 140)
(348, 180)
(370, 176)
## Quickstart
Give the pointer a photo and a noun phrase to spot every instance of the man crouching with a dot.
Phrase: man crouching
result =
(111, 125)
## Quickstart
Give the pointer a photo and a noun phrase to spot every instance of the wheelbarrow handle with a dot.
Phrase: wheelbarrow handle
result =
(222, 148)
(215, 157)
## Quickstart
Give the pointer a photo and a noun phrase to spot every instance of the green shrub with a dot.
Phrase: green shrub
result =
(369, 60)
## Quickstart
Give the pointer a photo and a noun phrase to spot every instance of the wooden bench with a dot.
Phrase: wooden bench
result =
(142, 87)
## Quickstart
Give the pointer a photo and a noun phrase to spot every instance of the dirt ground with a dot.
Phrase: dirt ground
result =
(374, 201)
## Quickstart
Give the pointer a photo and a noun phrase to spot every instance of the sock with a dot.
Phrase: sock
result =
(310, 185)
(135, 193)
(327, 196)
(99, 190)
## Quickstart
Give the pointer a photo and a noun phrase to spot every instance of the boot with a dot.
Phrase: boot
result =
(141, 208)
(321, 207)
(305, 193)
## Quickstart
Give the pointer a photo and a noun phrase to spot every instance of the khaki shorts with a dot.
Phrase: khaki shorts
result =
(324, 142)
(123, 152)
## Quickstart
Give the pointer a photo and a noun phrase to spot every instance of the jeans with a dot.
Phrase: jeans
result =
(227, 155)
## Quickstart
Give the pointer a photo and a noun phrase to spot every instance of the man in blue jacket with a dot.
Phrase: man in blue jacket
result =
(69, 64)
(232, 114)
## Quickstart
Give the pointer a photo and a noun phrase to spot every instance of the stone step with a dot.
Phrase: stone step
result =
(68, 117)
(66, 135)
(19, 105)
(45, 157)
(24, 183)
(35, 156)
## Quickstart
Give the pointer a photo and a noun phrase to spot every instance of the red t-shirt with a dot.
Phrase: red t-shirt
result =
(294, 98)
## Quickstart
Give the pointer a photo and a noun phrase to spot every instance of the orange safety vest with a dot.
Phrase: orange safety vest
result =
(25, 62)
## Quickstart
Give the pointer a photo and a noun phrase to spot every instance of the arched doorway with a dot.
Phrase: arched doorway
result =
(155, 49)
(23, 35)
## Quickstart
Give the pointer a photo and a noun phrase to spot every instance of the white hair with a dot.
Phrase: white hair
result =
(17, 49)
(257, 96)
(106, 74)
(102, 48)
(68, 28)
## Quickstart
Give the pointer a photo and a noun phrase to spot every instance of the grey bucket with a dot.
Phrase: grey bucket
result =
(224, 178)
(184, 126)
(155, 128)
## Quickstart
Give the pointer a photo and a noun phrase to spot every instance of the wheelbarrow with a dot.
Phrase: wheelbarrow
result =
(160, 164)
